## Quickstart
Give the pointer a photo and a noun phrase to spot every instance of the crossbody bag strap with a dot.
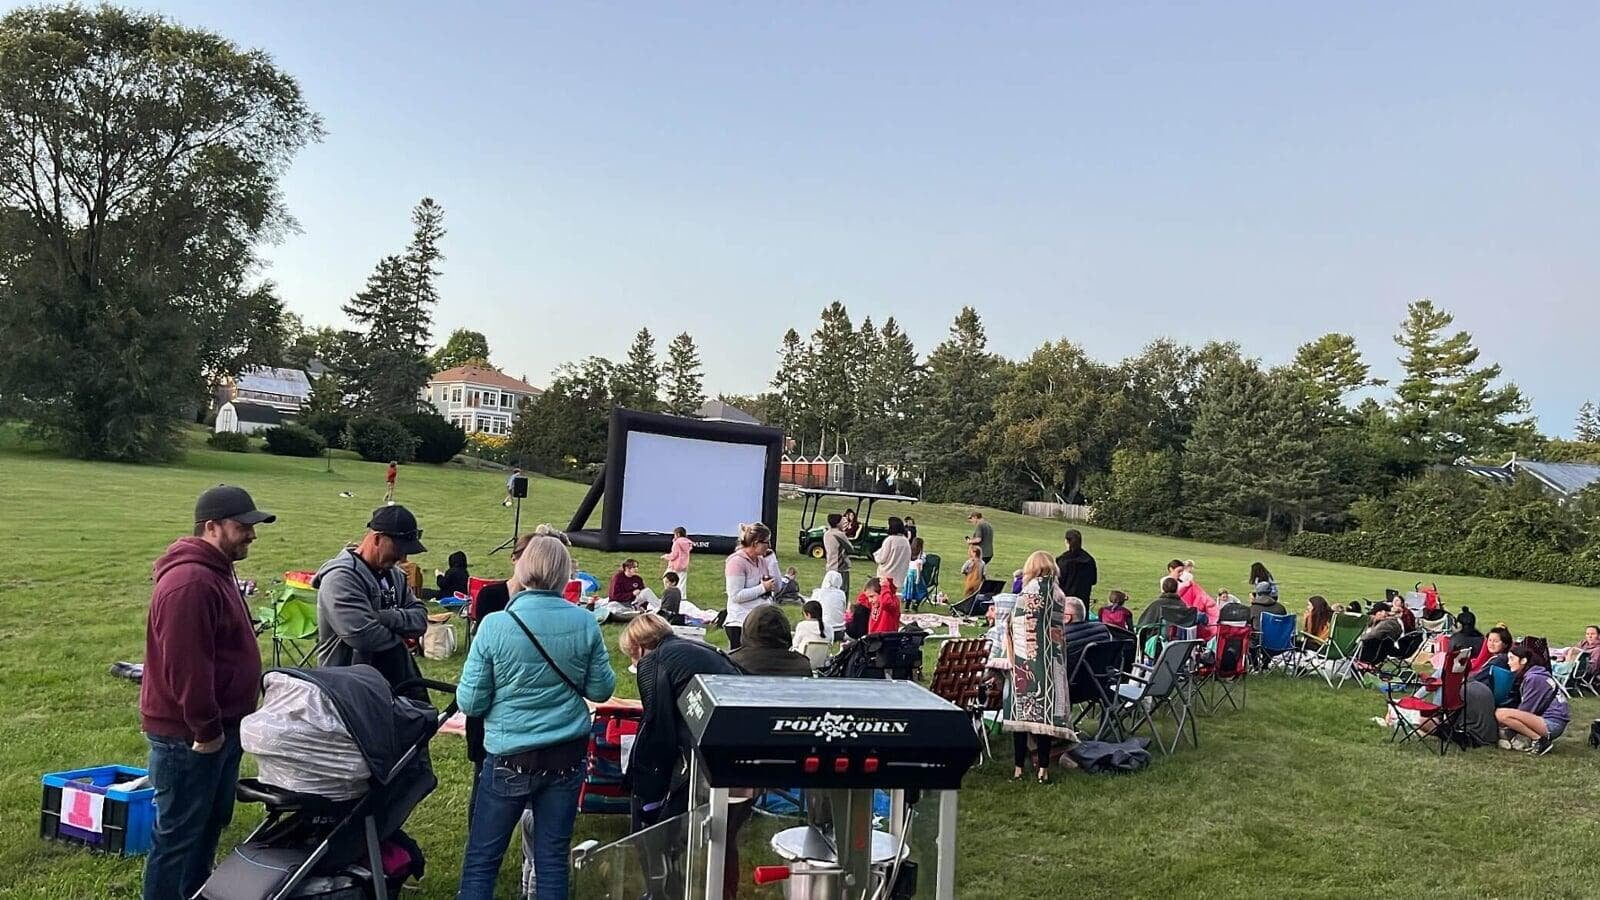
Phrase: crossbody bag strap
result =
(542, 652)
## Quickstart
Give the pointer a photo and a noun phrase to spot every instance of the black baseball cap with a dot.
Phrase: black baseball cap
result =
(398, 523)
(228, 502)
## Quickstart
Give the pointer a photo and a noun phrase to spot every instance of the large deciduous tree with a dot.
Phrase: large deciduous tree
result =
(139, 168)
(1060, 417)
(463, 346)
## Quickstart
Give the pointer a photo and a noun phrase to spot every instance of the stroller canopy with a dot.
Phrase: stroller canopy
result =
(383, 725)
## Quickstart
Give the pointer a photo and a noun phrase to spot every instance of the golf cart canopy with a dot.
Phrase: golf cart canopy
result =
(857, 495)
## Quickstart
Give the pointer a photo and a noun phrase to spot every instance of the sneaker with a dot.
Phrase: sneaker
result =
(1504, 744)
(1521, 743)
(1541, 746)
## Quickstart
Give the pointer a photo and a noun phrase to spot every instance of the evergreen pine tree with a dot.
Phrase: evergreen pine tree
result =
(1330, 368)
(639, 377)
(1588, 426)
(682, 377)
(829, 382)
(963, 378)
(385, 359)
(790, 408)
(1445, 405)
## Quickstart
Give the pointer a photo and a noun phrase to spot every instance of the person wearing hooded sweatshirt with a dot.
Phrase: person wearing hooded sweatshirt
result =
(365, 609)
(765, 650)
(454, 579)
(1264, 599)
(1467, 633)
(832, 597)
(1542, 713)
(202, 673)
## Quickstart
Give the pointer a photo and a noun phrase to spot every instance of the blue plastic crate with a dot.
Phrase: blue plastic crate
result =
(127, 817)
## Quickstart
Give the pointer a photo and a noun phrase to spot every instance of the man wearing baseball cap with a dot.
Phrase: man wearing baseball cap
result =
(202, 673)
(365, 608)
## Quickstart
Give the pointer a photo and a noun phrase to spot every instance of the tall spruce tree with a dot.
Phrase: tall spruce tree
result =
(962, 382)
(869, 396)
(638, 383)
(682, 377)
(790, 406)
(1446, 404)
(1588, 424)
(1251, 456)
(898, 372)
(386, 356)
(830, 386)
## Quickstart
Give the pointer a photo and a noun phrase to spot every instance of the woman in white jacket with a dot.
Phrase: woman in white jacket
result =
(749, 578)
(894, 557)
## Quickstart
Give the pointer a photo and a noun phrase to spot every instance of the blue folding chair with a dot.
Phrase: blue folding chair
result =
(1276, 637)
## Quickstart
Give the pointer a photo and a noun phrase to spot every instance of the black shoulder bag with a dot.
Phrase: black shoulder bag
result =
(559, 757)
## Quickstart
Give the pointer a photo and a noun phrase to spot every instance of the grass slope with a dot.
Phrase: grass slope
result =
(1298, 794)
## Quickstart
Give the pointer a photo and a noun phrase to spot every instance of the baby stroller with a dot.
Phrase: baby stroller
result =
(343, 761)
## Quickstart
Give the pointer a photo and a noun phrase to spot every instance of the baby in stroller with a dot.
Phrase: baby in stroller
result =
(342, 762)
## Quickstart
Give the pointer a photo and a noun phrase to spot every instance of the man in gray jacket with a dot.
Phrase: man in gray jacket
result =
(365, 609)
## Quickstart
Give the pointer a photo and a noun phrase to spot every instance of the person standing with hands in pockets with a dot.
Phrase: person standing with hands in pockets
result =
(202, 674)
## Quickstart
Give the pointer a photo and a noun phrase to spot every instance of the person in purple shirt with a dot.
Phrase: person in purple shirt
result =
(1541, 715)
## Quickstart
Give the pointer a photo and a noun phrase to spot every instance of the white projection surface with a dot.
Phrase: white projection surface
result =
(708, 487)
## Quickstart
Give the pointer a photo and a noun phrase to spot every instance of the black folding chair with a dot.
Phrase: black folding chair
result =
(1094, 684)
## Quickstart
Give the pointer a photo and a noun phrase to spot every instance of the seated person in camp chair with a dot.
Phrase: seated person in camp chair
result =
(1384, 625)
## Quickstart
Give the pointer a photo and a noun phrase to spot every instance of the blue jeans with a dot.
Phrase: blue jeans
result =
(194, 803)
(502, 796)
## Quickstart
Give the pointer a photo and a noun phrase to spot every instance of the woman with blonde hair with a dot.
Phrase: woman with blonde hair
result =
(1037, 702)
(749, 579)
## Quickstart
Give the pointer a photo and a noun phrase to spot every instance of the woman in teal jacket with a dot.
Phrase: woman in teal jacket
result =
(528, 674)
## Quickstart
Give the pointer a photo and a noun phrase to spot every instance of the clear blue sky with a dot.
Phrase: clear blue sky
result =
(1106, 172)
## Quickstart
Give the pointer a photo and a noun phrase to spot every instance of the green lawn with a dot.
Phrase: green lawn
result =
(1298, 794)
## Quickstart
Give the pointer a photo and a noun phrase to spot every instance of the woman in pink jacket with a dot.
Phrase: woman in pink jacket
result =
(1195, 597)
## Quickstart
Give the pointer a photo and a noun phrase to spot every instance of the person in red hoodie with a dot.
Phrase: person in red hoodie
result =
(885, 616)
(202, 675)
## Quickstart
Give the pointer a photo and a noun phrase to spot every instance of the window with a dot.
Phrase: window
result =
(455, 396)
(472, 398)
(505, 401)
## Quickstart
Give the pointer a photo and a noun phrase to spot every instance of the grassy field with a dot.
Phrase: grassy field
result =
(1298, 794)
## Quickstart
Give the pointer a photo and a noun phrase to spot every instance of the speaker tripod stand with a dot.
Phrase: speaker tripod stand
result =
(516, 530)
(518, 488)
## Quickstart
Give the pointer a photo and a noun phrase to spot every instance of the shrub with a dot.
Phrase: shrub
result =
(380, 440)
(491, 447)
(330, 425)
(438, 440)
(1142, 492)
(294, 440)
(229, 441)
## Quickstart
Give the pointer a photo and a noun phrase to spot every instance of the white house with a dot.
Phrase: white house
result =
(478, 399)
(248, 418)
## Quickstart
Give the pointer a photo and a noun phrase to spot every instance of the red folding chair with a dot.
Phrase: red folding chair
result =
(1433, 720)
(1226, 669)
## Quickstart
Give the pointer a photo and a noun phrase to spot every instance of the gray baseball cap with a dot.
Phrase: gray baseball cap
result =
(228, 502)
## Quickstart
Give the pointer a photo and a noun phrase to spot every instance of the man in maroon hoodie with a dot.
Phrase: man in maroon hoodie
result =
(202, 674)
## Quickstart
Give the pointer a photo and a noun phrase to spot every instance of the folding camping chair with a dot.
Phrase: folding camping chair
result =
(960, 675)
(1444, 716)
(1165, 685)
(1339, 650)
(1094, 682)
(1404, 655)
(930, 573)
(1229, 666)
(1580, 679)
(1275, 638)
(817, 652)
(292, 622)
(1369, 655)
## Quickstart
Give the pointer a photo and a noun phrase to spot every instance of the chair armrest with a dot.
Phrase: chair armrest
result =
(1138, 678)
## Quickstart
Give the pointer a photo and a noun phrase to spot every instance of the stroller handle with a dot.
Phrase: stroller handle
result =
(442, 687)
